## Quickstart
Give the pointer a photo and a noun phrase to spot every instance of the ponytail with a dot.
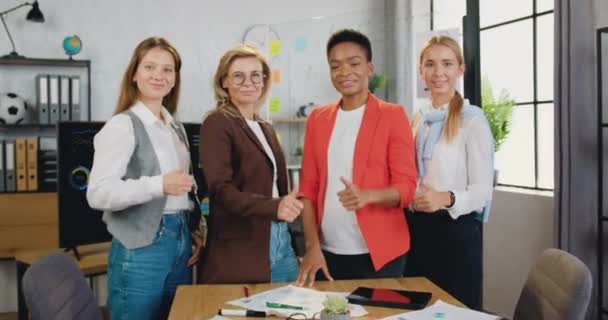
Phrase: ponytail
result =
(453, 121)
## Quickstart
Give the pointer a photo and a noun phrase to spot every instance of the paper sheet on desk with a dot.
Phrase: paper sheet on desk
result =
(311, 300)
(444, 311)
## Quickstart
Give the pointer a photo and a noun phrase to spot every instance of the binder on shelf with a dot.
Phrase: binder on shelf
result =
(42, 94)
(32, 164)
(64, 98)
(9, 156)
(54, 99)
(47, 164)
(2, 185)
(75, 98)
(21, 164)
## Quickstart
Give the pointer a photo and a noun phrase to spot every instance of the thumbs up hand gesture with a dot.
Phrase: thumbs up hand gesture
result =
(290, 207)
(351, 197)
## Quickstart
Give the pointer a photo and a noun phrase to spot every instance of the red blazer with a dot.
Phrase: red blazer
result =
(384, 157)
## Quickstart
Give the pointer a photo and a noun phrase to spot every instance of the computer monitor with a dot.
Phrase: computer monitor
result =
(79, 224)
(193, 130)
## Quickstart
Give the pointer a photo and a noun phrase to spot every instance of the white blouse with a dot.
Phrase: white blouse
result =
(464, 166)
(114, 145)
(257, 129)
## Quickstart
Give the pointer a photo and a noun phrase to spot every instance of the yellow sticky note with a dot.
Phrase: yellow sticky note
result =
(276, 75)
(279, 137)
(274, 47)
(275, 105)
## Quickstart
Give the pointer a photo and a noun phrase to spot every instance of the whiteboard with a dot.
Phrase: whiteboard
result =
(302, 64)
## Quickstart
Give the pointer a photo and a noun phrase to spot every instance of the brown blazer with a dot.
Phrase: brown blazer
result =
(239, 176)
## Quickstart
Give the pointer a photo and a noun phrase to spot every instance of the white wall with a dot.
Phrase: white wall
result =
(521, 226)
(8, 295)
(201, 31)
(601, 14)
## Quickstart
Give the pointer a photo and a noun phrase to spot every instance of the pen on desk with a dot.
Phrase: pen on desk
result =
(282, 306)
(241, 313)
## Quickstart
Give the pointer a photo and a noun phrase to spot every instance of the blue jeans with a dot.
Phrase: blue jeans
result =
(142, 281)
(283, 263)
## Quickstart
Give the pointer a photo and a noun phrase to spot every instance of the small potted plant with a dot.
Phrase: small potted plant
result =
(498, 112)
(297, 154)
(376, 81)
(335, 308)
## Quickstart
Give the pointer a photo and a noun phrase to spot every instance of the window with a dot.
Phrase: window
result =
(516, 55)
(516, 41)
(507, 62)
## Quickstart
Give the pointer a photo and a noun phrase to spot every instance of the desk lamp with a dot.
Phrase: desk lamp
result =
(34, 15)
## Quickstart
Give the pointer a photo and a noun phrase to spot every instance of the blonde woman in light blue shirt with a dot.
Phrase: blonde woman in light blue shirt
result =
(454, 152)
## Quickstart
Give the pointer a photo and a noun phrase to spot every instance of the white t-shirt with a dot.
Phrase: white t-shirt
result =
(340, 230)
(255, 126)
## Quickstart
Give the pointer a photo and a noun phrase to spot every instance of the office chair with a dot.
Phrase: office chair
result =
(54, 288)
(558, 288)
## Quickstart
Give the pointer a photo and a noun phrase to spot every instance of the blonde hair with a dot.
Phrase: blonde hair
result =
(457, 102)
(222, 97)
(128, 88)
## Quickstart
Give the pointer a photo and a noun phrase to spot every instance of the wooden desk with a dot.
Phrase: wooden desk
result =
(93, 262)
(203, 301)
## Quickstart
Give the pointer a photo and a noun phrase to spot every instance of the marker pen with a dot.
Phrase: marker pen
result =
(241, 313)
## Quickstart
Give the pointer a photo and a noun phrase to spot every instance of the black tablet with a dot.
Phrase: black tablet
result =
(390, 298)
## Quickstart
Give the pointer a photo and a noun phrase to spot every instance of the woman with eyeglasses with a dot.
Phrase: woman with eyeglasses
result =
(245, 170)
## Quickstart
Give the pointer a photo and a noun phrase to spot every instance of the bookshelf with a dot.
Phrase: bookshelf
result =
(22, 70)
(20, 76)
(29, 219)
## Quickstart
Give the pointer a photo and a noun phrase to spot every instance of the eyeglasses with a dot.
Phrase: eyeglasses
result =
(302, 316)
(239, 78)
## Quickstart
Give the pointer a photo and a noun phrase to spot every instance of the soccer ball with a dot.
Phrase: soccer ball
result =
(13, 109)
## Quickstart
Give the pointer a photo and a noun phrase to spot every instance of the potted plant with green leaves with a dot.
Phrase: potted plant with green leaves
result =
(299, 151)
(335, 307)
(376, 81)
(498, 111)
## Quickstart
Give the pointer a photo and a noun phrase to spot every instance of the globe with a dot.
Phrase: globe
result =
(72, 45)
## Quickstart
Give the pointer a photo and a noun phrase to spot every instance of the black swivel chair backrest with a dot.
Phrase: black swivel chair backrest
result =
(558, 288)
(55, 288)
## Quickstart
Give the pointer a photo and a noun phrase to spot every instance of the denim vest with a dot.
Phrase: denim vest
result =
(136, 226)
